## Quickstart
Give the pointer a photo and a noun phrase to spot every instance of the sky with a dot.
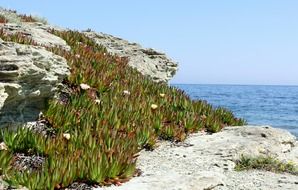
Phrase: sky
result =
(214, 41)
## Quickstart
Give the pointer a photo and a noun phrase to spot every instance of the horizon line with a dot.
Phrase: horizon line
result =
(293, 85)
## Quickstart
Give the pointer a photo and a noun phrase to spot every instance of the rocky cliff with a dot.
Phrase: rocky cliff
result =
(30, 75)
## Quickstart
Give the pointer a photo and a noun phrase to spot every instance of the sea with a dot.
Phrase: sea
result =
(276, 106)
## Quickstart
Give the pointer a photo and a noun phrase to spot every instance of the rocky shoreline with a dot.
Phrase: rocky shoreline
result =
(206, 161)
(203, 161)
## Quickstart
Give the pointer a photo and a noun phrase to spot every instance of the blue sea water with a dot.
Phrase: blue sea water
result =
(259, 105)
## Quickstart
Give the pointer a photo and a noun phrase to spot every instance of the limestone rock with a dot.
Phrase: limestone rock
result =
(206, 161)
(265, 140)
(38, 32)
(11, 16)
(28, 77)
(147, 61)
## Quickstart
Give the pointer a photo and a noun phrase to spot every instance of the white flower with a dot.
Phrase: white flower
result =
(98, 101)
(66, 136)
(40, 115)
(162, 95)
(85, 86)
(153, 106)
(3, 146)
(126, 92)
(78, 55)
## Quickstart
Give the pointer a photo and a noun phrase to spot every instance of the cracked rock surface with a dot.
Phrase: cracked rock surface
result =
(29, 75)
(38, 32)
(207, 162)
(147, 61)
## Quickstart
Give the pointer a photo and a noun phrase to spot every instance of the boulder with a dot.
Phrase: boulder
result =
(29, 76)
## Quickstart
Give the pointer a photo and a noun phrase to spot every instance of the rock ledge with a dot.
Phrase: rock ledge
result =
(207, 161)
(147, 61)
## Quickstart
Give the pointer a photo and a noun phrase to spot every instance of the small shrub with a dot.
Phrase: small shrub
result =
(265, 163)
(40, 19)
(3, 19)
(26, 18)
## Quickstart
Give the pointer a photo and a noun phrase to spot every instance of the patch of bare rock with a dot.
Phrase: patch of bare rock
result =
(206, 162)
(146, 60)
(29, 75)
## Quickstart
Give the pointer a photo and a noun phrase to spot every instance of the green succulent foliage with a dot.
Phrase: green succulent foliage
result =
(267, 163)
(105, 137)
(24, 141)
(5, 160)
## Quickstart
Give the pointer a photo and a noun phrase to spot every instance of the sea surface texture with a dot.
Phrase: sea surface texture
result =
(259, 105)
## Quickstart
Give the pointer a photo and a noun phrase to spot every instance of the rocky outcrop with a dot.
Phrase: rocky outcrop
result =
(11, 16)
(206, 161)
(29, 75)
(147, 61)
(38, 32)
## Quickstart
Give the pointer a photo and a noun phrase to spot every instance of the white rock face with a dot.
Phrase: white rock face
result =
(38, 32)
(10, 16)
(207, 162)
(29, 76)
(147, 61)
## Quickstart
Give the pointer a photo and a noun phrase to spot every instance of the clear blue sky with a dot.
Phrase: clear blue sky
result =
(214, 41)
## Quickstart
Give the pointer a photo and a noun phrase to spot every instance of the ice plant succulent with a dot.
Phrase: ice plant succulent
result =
(104, 139)
(3, 19)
